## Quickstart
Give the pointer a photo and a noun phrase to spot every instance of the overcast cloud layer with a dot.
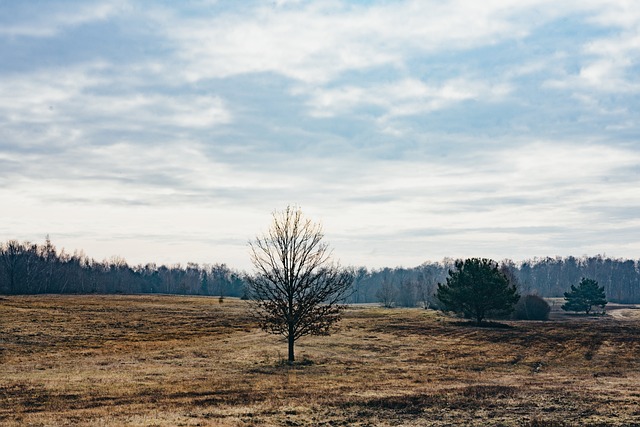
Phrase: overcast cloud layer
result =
(414, 130)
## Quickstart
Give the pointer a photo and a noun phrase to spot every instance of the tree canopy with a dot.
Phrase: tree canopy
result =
(584, 297)
(296, 289)
(477, 287)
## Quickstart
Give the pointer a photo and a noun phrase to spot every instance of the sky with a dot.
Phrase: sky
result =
(170, 132)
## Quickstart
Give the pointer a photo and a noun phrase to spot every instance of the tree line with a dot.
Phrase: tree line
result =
(30, 268)
(546, 277)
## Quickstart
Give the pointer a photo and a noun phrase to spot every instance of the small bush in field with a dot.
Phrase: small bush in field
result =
(532, 307)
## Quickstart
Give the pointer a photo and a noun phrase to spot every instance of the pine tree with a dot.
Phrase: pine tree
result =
(476, 288)
(585, 296)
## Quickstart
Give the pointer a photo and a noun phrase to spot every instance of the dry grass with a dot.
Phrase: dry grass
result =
(171, 361)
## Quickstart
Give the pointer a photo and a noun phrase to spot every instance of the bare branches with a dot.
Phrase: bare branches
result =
(296, 289)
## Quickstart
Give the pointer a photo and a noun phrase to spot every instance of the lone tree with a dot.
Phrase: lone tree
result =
(477, 287)
(297, 289)
(387, 294)
(585, 296)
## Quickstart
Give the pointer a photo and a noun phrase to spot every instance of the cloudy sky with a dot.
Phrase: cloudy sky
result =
(413, 130)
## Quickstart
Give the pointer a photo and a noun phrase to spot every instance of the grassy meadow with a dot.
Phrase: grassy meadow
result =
(191, 361)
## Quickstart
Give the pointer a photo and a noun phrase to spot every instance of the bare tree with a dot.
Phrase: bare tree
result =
(425, 287)
(297, 289)
(387, 293)
(12, 256)
(408, 293)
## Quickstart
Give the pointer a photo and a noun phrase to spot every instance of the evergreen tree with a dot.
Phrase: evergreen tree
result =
(585, 296)
(477, 287)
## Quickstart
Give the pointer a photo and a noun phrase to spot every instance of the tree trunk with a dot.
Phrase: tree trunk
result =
(291, 354)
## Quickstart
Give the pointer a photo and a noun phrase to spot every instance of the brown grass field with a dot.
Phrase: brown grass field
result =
(188, 361)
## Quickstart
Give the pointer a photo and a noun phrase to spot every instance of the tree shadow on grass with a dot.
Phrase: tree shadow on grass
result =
(282, 365)
(484, 324)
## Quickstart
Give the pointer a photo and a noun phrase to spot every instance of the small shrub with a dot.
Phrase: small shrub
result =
(478, 392)
(532, 307)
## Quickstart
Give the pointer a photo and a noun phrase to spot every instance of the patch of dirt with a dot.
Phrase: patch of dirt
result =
(631, 313)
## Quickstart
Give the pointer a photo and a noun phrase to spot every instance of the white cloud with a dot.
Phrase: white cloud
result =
(66, 97)
(513, 202)
(142, 110)
(548, 162)
(316, 42)
(48, 22)
(281, 3)
(33, 97)
(164, 148)
(403, 98)
(621, 13)
(609, 60)
(607, 67)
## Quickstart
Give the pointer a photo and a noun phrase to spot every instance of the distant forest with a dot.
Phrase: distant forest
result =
(29, 268)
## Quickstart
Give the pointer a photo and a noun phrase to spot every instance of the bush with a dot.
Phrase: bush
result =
(532, 307)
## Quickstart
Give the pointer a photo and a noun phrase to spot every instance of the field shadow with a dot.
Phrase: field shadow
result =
(485, 325)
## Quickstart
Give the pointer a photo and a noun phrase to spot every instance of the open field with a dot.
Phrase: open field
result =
(171, 361)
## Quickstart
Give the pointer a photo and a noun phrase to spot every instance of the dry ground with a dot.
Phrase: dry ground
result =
(170, 361)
